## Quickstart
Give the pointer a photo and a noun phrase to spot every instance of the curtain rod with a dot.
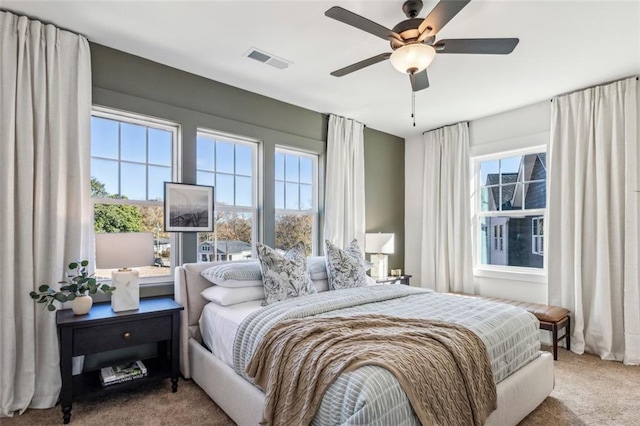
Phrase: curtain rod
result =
(446, 125)
(591, 87)
(42, 21)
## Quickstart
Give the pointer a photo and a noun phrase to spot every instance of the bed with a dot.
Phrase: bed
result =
(207, 354)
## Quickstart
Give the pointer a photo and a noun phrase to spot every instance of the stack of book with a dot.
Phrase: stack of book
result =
(122, 373)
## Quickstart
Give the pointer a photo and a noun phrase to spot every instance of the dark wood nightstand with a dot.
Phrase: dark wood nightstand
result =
(402, 279)
(155, 321)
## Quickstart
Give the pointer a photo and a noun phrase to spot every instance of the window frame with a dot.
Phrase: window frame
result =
(477, 215)
(314, 211)
(254, 210)
(149, 122)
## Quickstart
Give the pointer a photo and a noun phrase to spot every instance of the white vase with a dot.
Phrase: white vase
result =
(81, 305)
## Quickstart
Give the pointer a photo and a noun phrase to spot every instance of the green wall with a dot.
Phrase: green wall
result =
(134, 84)
(384, 191)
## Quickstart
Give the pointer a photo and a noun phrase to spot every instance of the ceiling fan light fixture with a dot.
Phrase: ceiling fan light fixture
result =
(412, 58)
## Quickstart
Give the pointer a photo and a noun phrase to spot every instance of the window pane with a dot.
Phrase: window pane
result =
(224, 157)
(224, 189)
(105, 172)
(510, 167)
(509, 201)
(306, 197)
(230, 241)
(160, 145)
(157, 177)
(535, 195)
(133, 142)
(243, 160)
(291, 168)
(293, 228)
(104, 138)
(206, 178)
(279, 195)
(243, 191)
(133, 181)
(489, 172)
(489, 198)
(514, 247)
(535, 166)
(279, 166)
(291, 199)
(306, 170)
(204, 157)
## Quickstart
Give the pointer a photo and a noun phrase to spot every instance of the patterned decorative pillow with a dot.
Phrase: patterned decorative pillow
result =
(284, 276)
(346, 268)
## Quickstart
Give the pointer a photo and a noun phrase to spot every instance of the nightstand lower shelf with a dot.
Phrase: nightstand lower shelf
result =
(87, 385)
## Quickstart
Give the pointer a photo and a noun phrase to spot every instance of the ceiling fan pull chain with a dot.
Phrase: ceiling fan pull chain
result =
(413, 108)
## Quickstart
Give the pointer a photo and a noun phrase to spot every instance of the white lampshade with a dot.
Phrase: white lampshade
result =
(412, 58)
(124, 250)
(379, 243)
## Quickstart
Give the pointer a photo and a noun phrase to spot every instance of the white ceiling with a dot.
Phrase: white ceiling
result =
(564, 46)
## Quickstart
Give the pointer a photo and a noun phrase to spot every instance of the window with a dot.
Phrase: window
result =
(296, 178)
(537, 236)
(509, 209)
(131, 158)
(229, 164)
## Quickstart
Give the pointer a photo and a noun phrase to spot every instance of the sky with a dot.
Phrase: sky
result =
(145, 164)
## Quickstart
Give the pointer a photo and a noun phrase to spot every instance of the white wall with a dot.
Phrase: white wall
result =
(517, 129)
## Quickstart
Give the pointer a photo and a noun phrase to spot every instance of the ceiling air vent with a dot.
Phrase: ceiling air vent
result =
(267, 58)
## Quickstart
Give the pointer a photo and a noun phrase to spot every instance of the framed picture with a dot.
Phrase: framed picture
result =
(188, 208)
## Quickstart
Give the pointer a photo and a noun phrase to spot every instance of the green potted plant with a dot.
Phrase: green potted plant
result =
(75, 288)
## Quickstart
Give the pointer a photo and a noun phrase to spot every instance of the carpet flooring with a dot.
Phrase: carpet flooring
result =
(588, 391)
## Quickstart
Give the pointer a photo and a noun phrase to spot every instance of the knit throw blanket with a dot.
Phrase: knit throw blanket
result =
(442, 367)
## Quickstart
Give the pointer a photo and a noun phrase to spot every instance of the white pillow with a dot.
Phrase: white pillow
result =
(234, 274)
(321, 285)
(226, 296)
(317, 267)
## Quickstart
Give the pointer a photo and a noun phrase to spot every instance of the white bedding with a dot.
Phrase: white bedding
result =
(218, 326)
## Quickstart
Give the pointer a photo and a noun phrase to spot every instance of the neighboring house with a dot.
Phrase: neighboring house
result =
(517, 241)
(210, 251)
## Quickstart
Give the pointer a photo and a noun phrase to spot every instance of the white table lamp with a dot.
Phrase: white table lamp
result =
(123, 251)
(381, 245)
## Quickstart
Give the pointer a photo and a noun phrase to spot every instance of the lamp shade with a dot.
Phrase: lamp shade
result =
(379, 243)
(124, 250)
(412, 58)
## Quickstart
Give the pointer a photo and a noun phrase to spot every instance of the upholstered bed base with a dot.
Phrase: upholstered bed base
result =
(518, 394)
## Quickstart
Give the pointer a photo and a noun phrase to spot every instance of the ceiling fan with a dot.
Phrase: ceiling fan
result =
(413, 41)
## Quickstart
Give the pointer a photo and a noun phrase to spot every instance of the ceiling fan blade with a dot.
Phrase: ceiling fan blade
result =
(362, 64)
(419, 81)
(491, 46)
(362, 23)
(440, 16)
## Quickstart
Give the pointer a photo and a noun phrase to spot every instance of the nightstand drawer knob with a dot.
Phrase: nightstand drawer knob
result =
(126, 335)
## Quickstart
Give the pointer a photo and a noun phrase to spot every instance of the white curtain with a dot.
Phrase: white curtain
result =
(446, 263)
(45, 206)
(344, 191)
(593, 214)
